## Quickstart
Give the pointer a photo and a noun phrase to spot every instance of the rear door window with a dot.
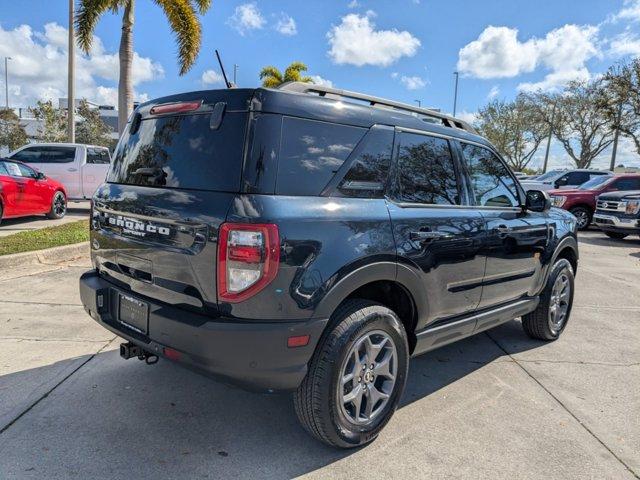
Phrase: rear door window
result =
(46, 154)
(627, 184)
(97, 156)
(182, 151)
(311, 153)
(426, 171)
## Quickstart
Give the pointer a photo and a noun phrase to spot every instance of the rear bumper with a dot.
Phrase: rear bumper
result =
(249, 354)
(615, 224)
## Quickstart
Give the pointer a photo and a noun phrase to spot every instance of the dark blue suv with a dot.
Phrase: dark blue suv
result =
(312, 240)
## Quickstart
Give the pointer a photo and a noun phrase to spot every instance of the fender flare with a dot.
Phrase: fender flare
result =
(566, 242)
(373, 272)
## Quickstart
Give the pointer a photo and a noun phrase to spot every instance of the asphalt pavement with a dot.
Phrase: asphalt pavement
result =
(75, 211)
(497, 405)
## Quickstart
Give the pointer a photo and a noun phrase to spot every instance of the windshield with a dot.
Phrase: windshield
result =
(548, 175)
(595, 182)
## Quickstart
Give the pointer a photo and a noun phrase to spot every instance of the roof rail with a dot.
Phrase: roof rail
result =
(330, 92)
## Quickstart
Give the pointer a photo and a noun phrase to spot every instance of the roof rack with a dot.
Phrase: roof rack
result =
(330, 92)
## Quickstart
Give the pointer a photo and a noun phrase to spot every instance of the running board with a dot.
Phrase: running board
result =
(434, 337)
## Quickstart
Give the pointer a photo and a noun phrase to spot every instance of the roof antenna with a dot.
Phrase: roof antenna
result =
(227, 82)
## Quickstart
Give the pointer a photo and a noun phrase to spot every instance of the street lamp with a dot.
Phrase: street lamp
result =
(455, 94)
(419, 102)
(6, 81)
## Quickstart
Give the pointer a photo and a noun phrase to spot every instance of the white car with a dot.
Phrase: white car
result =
(562, 179)
(80, 168)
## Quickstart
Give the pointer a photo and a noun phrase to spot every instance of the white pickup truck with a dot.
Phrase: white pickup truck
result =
(80, 168)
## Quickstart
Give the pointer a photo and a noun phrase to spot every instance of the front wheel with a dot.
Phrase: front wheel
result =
(583, 217)
(58, 206)
(356, 376)
(616, 235)
(550, 318)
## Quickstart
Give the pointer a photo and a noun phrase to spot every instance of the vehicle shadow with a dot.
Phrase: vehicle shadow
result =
(605, 241)
(117, 419)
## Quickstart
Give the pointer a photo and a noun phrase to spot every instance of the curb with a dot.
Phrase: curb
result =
(47, 256)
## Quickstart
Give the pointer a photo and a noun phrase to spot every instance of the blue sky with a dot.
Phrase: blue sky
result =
(405, 49)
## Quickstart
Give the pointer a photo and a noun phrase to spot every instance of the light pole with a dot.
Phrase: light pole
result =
(419, 102)
(71, 102)
(455, 94)
(235, 73)
(6, 81)
(616, 135)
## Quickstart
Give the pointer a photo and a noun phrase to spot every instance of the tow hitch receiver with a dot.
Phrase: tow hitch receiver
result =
(129, 350)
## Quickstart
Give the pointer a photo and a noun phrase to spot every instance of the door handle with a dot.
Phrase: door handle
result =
(72, 169)
(424, 235)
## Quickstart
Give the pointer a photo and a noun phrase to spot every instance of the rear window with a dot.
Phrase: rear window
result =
(311, 153)
(182, 151)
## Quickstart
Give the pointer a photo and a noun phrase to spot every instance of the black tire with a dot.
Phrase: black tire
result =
(319, 402)
(616, 235)
(584, 216)
(539, 324)
(1, 213)
(58, 206)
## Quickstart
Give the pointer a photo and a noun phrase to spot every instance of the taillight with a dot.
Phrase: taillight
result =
(248, 259)
(176, 107)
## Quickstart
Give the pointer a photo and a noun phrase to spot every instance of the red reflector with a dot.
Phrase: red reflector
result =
(175, 107)
(299, 341)
(171, 354)
(245, 254)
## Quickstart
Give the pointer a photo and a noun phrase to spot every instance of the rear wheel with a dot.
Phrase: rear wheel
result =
(356, 376)
(616, 235)
(1, 212)
(583, 215)
(550, 318)
(58, 206)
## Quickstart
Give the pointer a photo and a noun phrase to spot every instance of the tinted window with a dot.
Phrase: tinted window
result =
(492, 185)
(26, 171)
(575, 178)
(98, 156)
(426, 173)
(628, 184)
(311, 153)
(182, 152)
(595, 182)
(16, 170)
(46, 155)
(368, 173)
(3, 169)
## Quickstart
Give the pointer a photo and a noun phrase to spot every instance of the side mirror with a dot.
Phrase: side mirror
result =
(40, 176)
(538, 201)
(561, 182)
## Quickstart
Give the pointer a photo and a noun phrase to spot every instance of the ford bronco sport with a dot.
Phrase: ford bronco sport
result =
(312, 240)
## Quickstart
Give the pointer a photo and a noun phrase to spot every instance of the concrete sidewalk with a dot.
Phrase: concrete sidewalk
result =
(76, 211)
(497, 405)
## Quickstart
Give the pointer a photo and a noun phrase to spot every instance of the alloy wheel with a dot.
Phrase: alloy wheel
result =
(368, 377)
(59, 205)
(559, 302)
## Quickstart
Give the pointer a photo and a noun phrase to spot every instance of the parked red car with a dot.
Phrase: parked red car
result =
(581, 201)
(25, 191)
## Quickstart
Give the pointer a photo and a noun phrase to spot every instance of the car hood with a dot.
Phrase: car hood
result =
(629, 194)
(566, 192)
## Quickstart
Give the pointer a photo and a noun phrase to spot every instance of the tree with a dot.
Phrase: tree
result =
(53, 122)
(621, 100)
(12, 134)
(91, 129)
(272, 77)
(580, 123)
(184, 22)
(515, 128)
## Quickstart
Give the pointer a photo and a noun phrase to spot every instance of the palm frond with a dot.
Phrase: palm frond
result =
(271, 71)
(292, 73)
(271, 82)
(186, 26)
(203, 6)
(89, 12)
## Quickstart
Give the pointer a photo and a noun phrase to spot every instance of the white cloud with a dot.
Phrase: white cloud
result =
(629, 12)
(498, 53)
(38, 67)
(356, 42)
(318, 80)
(286, 25)
(247, 17)
(211, 77)
(493, 93)
(412, 83)
(469, 117)
(626, 43)
(353, 4)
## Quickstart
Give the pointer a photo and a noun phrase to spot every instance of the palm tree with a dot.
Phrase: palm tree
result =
(272, 77)
(183, 19)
